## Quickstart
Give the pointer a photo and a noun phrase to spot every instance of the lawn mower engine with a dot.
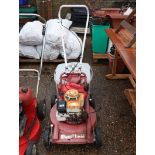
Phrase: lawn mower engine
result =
(71, 107)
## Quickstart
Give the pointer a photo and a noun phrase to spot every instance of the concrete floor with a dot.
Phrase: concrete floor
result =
(116, 118)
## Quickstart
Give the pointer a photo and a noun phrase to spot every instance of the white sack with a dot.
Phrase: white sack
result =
(53, 33)
(28, 51)
(73, 46)
(50, 53)
(31, 33)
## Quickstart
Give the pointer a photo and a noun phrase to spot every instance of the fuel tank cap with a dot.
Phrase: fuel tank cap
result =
(24, 89)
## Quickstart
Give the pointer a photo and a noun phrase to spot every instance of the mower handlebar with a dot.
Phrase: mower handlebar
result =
(85, 32)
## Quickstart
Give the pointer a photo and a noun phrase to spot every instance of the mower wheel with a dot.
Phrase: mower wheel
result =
(98, 137)
(53, 100)
(92, 101)
(31, 149)
(46, 138)
(41, 110)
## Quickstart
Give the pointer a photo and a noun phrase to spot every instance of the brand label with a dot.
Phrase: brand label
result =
(72, 136)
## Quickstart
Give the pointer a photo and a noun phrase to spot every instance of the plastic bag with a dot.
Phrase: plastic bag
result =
(28, 51)
(53, 34)
(73, 46)
(50, 53)
(31, 33)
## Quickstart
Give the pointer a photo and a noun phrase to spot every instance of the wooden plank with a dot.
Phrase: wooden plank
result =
(111, 9)
(127, 19)
(119, 40)
(22, 60)
(114, 66)
(121, 76)
(128, 26)
(113, 37)
(97, 57)
(129, 59)
(133, 40)
(131, 96)
(29, 60)
(132, 81)
(131, 15)
(49, 9)
(113, 13)
(117, 76)
(125, 37)
(100, 56)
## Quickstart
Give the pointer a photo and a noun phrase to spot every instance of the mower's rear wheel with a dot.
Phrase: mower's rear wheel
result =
(31, 149)
(46, 138)
(92, 101)
(41, 110)
(53, 100)
(98, 137)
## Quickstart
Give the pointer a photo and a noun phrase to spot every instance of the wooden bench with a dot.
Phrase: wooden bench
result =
(128, 56)
(114, 15)
(123, 40)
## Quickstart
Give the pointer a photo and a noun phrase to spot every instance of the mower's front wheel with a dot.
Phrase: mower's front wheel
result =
(53, 100)
(46, 138)
(31, 149)
(41, 110)
(98, 137)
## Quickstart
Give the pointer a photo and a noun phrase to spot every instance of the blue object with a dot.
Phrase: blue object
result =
(23, 2)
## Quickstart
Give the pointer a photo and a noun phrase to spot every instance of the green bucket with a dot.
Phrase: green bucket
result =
(99, 38)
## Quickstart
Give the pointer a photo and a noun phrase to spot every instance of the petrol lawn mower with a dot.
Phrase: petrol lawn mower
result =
(31, 112)
(72, 114)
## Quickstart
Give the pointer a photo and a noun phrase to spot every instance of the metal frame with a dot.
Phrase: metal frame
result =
(85, 33)
(42, 52)
(38, 76)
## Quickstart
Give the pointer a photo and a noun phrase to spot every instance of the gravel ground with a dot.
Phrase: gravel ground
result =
(116, 118)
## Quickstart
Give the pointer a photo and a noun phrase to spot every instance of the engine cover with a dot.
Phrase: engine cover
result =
(71, 108)
(74, 100)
